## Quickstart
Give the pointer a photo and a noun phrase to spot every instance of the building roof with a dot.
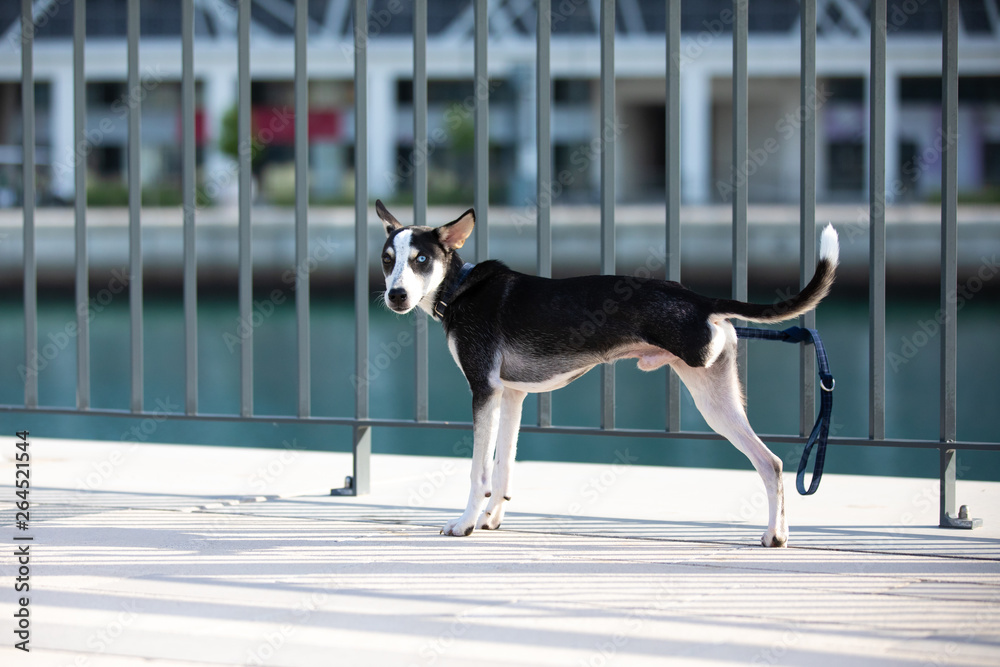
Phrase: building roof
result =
(454, 18)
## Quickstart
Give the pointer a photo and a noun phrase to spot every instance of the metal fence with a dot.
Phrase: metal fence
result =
(362, 422)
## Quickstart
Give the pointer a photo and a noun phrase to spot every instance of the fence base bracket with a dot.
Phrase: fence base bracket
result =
(346, 490)
(359, 484)
(963, 521)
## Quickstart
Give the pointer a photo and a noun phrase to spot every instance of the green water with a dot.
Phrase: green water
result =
(912, 392)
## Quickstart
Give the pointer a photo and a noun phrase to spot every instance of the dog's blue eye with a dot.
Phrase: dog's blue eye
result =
(421, 258)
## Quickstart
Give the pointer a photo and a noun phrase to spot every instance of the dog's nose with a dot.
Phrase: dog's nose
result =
(397, 296)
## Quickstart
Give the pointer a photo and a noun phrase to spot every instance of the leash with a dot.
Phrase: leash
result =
(821, 430)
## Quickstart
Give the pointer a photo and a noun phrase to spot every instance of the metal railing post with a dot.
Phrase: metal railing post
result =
(188, 180)
(740, 167)
(607, 158)
(807, 207)
(949, 518)
(245, 151)
(135, 289)
(876, 224)
(28, 207)
(673, 185)
(543, 111)
(301, 92)
(82, 281)
(481, 131)
(362, 434)
(419, 159)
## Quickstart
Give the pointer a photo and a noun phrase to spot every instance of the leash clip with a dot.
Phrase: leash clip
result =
(821, 430)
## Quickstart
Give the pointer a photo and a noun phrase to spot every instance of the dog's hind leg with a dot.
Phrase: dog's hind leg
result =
(510, 424)
(486, 421)
(716, 391)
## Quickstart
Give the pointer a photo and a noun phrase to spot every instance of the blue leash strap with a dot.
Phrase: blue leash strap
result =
(821, 430)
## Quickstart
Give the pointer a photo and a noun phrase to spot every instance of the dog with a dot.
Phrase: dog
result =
(513, 334)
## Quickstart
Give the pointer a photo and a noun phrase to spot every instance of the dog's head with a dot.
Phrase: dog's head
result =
(415, 259)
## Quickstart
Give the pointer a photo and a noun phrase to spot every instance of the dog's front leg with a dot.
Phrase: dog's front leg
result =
(510, 424)
(485, 422)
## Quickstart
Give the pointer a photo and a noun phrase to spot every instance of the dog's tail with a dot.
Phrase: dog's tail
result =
(803, 302)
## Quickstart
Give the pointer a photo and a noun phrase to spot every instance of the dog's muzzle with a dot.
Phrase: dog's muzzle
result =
(397, 299)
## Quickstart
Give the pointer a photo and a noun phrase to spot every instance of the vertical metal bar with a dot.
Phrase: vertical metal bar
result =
(245, 153)
(543, 111)
(481, 144)
(740, 166)
(807, 205)
(80, 209)
(134, 206)
(361, 484)
(422, 408)
(607, 140)
(673, 185)
(28, 176)
(876, 229)
(301, 208)
(948, 461)
(949, 254)
(361, 206)
(362, 435)
(188, 171)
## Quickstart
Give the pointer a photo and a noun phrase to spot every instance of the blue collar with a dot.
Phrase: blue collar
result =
(442, 303)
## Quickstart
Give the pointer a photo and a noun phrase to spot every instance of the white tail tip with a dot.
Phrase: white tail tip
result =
(829, 247)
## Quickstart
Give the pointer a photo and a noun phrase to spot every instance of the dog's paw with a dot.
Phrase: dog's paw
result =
(459, 527)
(491, 518)
(774, 540)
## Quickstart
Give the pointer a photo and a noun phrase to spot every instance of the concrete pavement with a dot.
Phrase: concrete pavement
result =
(180, 555)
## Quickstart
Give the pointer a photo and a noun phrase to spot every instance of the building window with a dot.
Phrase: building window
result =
(846, 166)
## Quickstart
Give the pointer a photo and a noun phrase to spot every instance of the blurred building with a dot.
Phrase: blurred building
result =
(912, 116)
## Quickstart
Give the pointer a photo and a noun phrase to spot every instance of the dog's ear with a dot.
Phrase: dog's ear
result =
(388, 220)
(454, 234)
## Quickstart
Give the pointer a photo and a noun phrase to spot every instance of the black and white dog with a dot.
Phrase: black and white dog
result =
(512, 334)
